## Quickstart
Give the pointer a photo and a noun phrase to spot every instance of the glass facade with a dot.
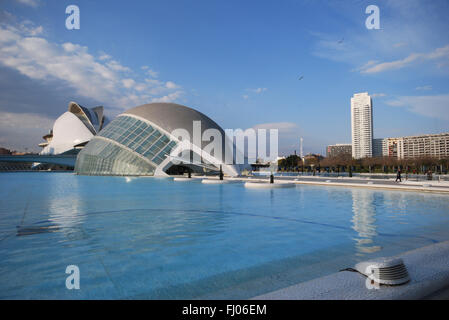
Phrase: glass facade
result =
(102, 156)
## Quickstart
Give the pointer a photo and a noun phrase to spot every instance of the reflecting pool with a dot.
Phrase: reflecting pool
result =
(150, 238)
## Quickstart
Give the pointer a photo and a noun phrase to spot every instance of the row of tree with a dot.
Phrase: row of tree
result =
(373, 165)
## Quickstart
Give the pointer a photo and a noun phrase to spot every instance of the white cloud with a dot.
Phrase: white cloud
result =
(104, 56)
(257, 90)
(328, 47)
(171, 85)
(153, 82)
(21, 131)
(376, 67)
(150, 72)
(70, 47)
(25, 120)
(431, 106)
(128, 83)
(114, 65)
(411, 26)
(101, 78)
(31, 3)
(378, 95)
(36, 31)
(281, 126)
(424, 88)
(140, 87)
(170, 97)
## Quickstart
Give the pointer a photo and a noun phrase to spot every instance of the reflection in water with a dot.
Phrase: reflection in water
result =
(61, 210)
(64, 210)
(364, 221)
(398, 203)
(220, 197)
(30, 230)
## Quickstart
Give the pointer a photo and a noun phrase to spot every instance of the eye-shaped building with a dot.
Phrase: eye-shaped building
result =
(73, 130)
(140, 141)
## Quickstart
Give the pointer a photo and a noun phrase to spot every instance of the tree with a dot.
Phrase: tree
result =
(291, 161)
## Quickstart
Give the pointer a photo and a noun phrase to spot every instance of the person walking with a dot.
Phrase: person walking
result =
(398, 176)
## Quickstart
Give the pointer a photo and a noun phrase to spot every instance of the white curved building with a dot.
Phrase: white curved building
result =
(141, 142)
(73, 130)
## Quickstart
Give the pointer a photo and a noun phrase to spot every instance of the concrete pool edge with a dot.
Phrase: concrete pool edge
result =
(433, 188)
(379, 186)
(428, 268)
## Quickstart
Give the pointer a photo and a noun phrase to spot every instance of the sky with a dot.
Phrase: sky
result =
(290, 65)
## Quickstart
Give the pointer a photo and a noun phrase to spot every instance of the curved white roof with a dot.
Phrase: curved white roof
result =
(93, 118)
(171, 116)
(76, 126)
(68, 131)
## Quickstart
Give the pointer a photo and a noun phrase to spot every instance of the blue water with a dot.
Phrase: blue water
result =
(149, 238)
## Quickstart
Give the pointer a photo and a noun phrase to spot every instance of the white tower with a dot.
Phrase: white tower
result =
(362, 125)
(301, 155)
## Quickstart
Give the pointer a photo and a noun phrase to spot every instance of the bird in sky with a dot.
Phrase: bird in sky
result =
(341, 41)
(301, 77)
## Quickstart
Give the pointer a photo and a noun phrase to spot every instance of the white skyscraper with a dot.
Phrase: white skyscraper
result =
(362, 125)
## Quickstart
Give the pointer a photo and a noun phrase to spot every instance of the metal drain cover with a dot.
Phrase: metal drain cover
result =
(389, 271)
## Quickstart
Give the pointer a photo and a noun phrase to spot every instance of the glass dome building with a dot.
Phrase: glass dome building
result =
(140, 142)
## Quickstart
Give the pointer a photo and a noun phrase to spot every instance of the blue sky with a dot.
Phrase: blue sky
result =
(236, 61)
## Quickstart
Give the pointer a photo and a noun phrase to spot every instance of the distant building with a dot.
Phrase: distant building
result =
(142, 141)
(380, 147)
(312, 157)
(395, 147)
(362, 125)
(429, 145)
(73, 129)
(363, 144)
(338, 150)
(4, 151)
